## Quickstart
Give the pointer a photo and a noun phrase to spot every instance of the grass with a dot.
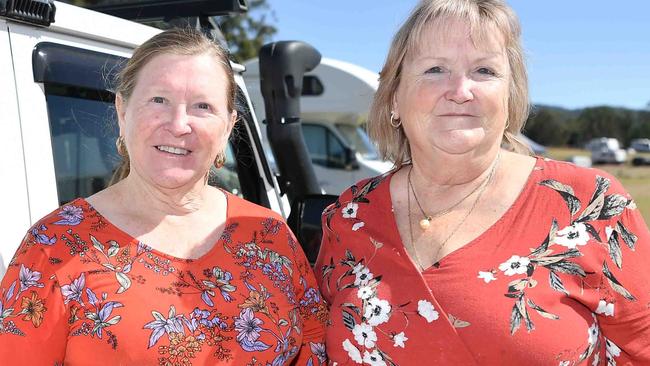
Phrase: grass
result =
(636, 180)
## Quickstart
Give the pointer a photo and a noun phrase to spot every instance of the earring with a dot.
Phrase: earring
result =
(121, 147)
(220, 160)
(395, 122)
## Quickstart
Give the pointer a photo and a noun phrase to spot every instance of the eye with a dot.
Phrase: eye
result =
(158, 100)
(434, 70)
(204, 106)
(486, 71)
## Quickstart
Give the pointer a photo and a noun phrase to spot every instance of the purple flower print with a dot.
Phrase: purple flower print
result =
(249, 329)
(74, 290)
(70, 215)
(29, 278)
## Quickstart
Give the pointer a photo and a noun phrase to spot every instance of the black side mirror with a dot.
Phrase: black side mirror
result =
(305, 222)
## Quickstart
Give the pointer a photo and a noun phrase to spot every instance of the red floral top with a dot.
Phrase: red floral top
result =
(79, 291)
(563, 278)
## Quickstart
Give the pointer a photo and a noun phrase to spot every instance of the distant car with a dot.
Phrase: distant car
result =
(606, 150)
(641, 151)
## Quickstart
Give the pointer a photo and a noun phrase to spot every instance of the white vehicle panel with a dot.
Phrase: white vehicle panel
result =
(13, 183)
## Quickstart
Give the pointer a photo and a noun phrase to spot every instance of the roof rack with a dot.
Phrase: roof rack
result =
(141, 10)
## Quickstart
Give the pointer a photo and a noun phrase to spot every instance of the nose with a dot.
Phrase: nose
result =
(460, 89)
(179, 122)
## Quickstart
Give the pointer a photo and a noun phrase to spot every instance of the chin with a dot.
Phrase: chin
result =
(460, 141)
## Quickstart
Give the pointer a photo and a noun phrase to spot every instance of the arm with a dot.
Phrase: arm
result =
(32, 312)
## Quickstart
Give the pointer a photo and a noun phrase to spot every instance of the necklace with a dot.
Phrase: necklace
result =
(425, 222)
(481, 188)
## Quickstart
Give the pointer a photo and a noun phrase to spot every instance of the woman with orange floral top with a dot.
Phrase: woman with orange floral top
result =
(161, 268)
(472, 252)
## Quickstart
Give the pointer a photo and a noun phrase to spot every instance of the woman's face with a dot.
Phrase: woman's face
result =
(176, 120)
(453, 96)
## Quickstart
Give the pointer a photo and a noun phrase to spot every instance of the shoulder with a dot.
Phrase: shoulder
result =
(364, 188)
(580, 179)
(239, 207)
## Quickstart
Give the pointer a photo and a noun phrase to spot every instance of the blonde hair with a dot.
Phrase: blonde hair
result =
(481, 15)
(176, 41)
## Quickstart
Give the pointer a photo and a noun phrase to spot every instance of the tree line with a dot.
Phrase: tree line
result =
(553, 126)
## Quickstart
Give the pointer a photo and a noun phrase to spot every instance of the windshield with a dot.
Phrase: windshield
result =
(358, 139)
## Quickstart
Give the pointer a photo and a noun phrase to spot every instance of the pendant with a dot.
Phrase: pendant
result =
(425, 223)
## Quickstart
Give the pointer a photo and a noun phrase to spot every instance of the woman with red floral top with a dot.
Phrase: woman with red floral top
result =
(160, 268)
(472, 252)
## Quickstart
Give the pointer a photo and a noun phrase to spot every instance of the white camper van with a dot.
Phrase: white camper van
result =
(334, 107)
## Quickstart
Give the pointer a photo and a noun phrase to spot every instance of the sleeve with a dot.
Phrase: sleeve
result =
(324, 263)
(622, 302)
(32, 311)
(311, 310)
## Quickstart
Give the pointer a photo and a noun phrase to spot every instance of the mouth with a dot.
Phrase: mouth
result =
(457, 115)
(173, 150)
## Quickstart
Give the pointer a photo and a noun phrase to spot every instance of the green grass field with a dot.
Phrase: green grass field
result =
(636, 180)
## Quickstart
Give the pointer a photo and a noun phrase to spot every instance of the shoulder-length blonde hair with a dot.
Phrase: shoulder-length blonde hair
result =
(482, 16)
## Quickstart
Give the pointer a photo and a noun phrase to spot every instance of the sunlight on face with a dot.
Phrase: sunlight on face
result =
(453, 93)
(176, 120)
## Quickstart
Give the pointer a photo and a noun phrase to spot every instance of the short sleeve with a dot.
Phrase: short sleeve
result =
(32, 311)
(624, 313)
(311, 309)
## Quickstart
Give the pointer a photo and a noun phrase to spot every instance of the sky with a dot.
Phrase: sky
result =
(580, 53)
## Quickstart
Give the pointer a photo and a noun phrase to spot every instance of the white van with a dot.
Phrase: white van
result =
(606, 150)
(334, 107)
(59, 129)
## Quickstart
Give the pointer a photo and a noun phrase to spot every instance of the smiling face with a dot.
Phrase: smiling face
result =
(453, 97)
(176, 120)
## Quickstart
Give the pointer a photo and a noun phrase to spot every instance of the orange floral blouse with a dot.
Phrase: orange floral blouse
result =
(563, 278)
(79, 291)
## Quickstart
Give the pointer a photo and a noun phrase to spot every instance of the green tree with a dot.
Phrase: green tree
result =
(545, 127)
(246, 33)
(601, 122)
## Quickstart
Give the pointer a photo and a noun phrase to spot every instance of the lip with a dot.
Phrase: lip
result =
(456, 115)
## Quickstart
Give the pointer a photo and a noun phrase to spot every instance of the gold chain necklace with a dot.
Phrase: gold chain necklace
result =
(481, 188)
(426, 220)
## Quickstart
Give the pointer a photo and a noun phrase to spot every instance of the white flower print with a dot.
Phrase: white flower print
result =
(365, 292)
(426, 310)
(605, 308)
(608, 231)
(596, 359)
(572, 236)
(353, 351)
(350, 210)
(612, 351)
(486, 276)
(364, 335)
(514, 265)
(358, 226)
(564, 363)
(632, 205)
(377, 311)
(362, 277)
(399, 339)
(593, 333)
(373, 358)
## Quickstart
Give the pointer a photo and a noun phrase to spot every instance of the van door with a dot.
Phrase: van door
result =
(328, 155)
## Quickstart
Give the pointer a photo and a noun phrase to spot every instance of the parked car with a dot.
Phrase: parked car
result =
(641, 150)
(606, 150)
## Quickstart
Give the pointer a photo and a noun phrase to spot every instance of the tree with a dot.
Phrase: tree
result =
(544, 127)
(246, 33)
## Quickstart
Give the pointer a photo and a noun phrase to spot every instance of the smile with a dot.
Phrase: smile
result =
(173, 150)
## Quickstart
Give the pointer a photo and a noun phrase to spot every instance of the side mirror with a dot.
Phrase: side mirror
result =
(305, 222)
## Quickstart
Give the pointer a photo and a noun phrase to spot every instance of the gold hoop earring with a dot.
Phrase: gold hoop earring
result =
(220, 160)
(395, 122)
(121, 147)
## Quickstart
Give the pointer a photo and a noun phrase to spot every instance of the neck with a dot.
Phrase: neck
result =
(444, 179)
(159, 201)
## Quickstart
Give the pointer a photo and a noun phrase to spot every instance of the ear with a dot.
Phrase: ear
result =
(233, 120)
(394, 107)
(120, 108)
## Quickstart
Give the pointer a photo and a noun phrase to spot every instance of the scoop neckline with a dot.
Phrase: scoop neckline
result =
(515, 206)
(135, 243)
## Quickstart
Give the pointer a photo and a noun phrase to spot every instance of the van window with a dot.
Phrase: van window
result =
(84, 129)
(324, 147)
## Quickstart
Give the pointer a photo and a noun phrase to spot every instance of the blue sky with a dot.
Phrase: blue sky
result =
(580, 53)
